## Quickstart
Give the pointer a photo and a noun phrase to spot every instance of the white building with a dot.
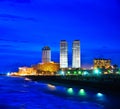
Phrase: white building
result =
(46, 54)
(76, 59)
(63, 54)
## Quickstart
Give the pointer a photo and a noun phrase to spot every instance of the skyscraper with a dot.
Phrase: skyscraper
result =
(63, 54)
(76, 60)
(46, 54)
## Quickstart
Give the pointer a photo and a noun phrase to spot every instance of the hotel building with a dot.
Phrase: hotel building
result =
(100, 63)
(76, 60)
(63, 54)
(46, 54)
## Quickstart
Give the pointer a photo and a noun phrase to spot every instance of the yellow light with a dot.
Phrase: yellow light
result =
(27, 79)
(22, 74)
(52, 87)
(105, 72)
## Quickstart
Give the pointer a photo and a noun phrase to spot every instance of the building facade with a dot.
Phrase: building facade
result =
(48, 68)
(26, 71)
(63, 54)
(100, 63)
(76, 59)
(46, 54)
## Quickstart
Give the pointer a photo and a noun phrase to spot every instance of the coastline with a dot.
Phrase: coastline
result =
(108, 87)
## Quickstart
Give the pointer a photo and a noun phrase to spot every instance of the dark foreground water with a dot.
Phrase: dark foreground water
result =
(21, 93)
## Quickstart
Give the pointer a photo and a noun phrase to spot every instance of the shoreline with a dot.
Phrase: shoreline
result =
(107, 87)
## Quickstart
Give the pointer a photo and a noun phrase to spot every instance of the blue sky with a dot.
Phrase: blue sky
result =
(28, 25)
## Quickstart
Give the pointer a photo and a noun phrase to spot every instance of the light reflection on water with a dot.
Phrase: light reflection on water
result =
(19, 93)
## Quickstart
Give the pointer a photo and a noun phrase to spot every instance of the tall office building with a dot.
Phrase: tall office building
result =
(76, 60)
(46, 54)
(63, 54)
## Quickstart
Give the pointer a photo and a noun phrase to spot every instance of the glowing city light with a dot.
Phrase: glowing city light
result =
(68, 72)
(119, 71)
(82, 92)
(105, 73)
(99, 95)
(70, 91)
(85, 73)
(109, 71)
(62, 73)
(22, 74)
(79, 72)
(97, 71)
(27, 79)
(8, 74)
(51, 87)
(75, 72)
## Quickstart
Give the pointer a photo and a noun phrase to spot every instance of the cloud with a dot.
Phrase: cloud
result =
(19, 45)
(14, 17)
(17, 1)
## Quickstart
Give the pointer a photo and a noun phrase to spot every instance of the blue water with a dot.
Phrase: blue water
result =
(20, 93)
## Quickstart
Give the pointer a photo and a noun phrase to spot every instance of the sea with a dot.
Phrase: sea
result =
(23, 93)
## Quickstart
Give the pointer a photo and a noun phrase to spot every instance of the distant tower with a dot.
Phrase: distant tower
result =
(46, 54)
(63, 54)
(76, 60)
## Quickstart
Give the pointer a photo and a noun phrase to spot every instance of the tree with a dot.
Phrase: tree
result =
(115, 68)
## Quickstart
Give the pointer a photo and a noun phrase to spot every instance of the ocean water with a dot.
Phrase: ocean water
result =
(22, 93)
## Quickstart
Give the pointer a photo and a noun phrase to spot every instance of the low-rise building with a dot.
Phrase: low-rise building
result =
(102, 63)
(48, 68)
(26, 71)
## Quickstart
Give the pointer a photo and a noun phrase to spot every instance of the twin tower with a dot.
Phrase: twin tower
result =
(76, 60)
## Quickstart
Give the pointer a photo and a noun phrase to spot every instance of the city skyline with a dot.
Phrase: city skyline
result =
(70, 60)
(27, 26)
(60, 54)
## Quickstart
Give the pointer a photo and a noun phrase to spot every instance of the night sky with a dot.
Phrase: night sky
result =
(28, 25)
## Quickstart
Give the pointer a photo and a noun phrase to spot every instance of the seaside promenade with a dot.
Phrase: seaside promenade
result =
(108, 83)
